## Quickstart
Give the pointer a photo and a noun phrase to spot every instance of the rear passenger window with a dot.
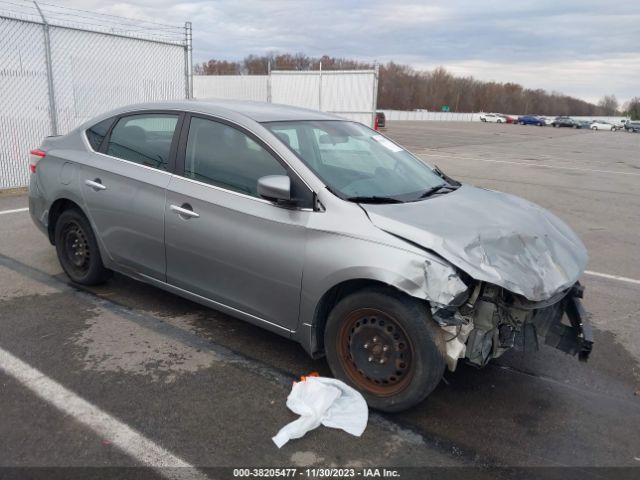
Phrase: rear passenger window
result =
(143, 139)
(96, 134)
(225, 157)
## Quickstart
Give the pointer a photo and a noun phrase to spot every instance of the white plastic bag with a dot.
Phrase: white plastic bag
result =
(326, 401)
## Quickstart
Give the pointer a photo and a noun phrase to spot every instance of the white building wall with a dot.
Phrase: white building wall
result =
(350, 94)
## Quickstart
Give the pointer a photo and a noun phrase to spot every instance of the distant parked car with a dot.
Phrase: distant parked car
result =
(632, 126)
(565, 122)
(492, 118)
(619, 124)
(548, 120)
(530, 120)
(510, 119)
(602, 125)
(381, 121)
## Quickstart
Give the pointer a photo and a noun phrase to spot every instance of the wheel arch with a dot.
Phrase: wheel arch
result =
(331, 297)
(56, 209)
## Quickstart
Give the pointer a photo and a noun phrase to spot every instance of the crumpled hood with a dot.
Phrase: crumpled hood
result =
(493, 237)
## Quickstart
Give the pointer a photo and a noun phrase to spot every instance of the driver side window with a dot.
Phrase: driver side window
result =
(223, 156)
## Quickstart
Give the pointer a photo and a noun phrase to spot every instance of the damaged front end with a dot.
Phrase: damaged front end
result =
(500, 272)
(491, 320)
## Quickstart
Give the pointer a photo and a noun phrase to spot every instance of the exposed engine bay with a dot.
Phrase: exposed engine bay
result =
(492, 320)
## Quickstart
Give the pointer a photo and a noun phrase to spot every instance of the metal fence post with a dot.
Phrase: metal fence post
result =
(47, 52)
(188, 60)
(320, 86)
(374, 103)
(269, 81)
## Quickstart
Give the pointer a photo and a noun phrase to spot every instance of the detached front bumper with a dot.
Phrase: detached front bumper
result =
(577, 338)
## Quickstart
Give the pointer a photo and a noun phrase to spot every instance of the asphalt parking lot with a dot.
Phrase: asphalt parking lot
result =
(198, 387)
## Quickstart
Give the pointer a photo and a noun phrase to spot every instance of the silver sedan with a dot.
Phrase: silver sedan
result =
(317, 228)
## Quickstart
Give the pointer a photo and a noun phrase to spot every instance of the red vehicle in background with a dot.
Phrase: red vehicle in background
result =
(510, 118)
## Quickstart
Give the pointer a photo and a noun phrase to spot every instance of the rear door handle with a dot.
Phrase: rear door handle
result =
(95, 184)
(185, 211)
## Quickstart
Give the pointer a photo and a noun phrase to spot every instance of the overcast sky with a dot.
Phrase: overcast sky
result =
(582, 48)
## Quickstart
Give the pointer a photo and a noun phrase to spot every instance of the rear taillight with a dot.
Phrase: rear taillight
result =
(375, 123)
(36, 156)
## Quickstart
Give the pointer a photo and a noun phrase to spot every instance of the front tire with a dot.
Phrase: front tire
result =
(78, 250)
(386, 345)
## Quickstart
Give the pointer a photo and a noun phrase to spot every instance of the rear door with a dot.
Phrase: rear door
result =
(123, 185)
(232, 246)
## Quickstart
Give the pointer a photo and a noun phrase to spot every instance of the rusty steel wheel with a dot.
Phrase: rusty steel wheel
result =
(375, 352)
(385, 344)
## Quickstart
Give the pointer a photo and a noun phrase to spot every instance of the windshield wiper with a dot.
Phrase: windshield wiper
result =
(373, 199)
(435, 189)
(446, 177)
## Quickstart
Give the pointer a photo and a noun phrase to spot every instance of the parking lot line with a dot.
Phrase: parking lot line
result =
(15, 210)
(107, 427)
(613, 277)
(526, 164)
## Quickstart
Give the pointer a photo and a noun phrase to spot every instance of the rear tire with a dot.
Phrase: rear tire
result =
(386, 345)
(78, 250)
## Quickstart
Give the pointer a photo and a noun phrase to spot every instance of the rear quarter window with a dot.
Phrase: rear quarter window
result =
(96, 134)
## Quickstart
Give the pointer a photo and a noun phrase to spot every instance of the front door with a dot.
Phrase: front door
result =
(223, 241)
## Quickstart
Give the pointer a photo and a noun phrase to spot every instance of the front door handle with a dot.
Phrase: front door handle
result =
(185, 211)
(95, 184)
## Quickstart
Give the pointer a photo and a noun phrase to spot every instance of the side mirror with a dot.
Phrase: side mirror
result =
(275, 187)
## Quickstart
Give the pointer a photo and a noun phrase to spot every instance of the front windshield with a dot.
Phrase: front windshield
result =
(356, 162)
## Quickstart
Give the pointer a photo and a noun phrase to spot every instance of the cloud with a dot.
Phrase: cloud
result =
(582, 47)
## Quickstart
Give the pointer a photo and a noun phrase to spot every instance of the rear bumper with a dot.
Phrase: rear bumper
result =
(37, 208)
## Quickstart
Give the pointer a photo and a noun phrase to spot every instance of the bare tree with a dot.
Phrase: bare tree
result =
(400, 87)
(217, 67)
(608, 104)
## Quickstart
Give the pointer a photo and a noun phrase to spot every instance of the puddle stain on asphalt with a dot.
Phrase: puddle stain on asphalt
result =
(113, 344)
(15, 285)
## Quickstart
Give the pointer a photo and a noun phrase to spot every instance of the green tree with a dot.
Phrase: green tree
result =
(632, 108)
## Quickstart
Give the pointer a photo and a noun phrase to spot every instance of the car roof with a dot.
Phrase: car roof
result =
(257, 111)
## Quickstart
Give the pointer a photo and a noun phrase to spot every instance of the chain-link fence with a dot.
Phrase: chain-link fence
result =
(62, 66)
